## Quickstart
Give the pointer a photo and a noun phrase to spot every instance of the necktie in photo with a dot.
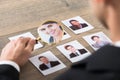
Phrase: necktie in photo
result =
(77, 54)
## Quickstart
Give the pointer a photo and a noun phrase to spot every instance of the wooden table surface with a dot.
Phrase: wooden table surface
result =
(20, 16)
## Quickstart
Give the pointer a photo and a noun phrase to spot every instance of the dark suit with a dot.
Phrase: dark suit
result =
(52, 63)
(82, 51)
(8, 72)
(102, 65)
(76, 27)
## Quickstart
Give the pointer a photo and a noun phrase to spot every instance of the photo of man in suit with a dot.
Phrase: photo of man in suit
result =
(77, 25)
(74, 52)
(98, 42)
(46, 64)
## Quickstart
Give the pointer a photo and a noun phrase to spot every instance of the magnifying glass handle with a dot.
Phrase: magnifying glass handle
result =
(37, 40)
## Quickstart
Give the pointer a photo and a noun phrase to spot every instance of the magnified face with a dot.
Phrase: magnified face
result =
(51, 30)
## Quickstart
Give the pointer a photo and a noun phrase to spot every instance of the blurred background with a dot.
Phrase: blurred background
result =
(19, 15)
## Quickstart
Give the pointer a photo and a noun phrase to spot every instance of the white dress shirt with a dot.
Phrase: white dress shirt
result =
(48, 65)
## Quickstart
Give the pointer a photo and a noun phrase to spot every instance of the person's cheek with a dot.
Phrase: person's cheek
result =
(47, 31)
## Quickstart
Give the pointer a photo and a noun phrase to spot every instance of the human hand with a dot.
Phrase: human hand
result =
(18, 50)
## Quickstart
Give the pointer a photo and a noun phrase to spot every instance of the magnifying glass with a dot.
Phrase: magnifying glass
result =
(50, 32)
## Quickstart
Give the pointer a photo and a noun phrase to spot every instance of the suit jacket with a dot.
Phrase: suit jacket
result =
(8, 72)
(104, 64)
(52, 63)
(82, 51)
(76, 28)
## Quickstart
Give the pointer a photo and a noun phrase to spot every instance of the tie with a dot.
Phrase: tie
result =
(77, 54)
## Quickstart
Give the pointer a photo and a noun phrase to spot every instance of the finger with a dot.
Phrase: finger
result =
(22, 42)
(30, 45)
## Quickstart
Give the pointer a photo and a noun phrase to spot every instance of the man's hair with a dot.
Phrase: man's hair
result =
(94, 37)
(51, 22)
(41, 57)
(72, 21)
(67, 46)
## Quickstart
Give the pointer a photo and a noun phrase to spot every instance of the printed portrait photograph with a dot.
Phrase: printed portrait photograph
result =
(27, 34)
(77, 24)
(74, 51)
(97, 40)
(52, 32)
(47, 63)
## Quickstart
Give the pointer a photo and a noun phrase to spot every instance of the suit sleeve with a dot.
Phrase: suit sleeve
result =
(8, 72)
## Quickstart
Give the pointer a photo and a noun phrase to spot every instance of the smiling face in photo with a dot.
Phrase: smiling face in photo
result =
(50, 29)
(53, 31)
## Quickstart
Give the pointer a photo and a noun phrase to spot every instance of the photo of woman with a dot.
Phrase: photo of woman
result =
(51, 32)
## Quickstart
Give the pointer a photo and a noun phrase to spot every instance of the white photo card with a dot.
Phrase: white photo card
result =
(97, 40)
(77, 25)
(47, 63)
(74, 51)
(27, 34)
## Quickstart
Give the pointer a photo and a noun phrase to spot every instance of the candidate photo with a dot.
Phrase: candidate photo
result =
(73, 51)
(77, 24)
(46, 63)
(97, 40)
